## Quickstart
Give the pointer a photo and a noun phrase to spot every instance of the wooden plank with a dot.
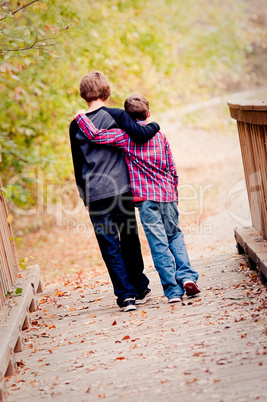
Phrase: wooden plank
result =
(248, 105)
(254, 155)
(10, 231)
(3, 392)
(250, 171)
(5, 251)
(13, 316)
(254, 246)
(208, 348)
(8, 255)
(258, 138)
(253, 117)
(9, 234)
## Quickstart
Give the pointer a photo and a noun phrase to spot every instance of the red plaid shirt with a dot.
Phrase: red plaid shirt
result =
(151, 166)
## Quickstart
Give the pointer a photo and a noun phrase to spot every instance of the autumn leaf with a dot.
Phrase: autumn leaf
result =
(60, 293)
(9, 219)
(143, 313)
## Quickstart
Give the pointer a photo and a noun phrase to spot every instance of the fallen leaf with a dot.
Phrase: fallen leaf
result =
(60, 293)
(144, 314)
(9, 219)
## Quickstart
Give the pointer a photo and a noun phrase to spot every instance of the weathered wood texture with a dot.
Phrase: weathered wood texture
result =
(208, 348)
(254, 247)
(251, 119)
(8, 255)
(14, 319)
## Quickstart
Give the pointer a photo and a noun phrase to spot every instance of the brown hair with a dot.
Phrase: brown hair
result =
(95, 86)
(137, 106)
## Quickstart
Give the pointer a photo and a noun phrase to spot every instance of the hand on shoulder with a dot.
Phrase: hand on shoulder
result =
(81, 111)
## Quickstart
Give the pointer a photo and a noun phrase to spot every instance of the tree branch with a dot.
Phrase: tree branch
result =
(19, 9)
(32, 46)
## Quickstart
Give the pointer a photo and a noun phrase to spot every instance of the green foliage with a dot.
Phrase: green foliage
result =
(169, 50)
(23, 263)
(18, 291)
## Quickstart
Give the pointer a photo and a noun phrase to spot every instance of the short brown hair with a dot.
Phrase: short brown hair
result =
(95, 86)
(137, 106)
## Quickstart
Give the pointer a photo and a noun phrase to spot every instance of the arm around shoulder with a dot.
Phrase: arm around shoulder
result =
(138, 133)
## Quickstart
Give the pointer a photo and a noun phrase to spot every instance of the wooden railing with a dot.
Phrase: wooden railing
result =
(251, 119)
(8, 255)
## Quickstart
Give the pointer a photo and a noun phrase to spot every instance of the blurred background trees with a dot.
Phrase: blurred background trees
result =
(173, 51)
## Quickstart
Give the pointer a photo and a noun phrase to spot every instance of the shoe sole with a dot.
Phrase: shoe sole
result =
(144, 300)
(191, 289)
(129, 308)
(175, 300)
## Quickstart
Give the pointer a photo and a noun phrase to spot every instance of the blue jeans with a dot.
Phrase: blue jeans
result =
(166, 241)
(116, 231)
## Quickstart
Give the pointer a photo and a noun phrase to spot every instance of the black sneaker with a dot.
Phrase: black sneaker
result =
(144, 296)
(128, 304)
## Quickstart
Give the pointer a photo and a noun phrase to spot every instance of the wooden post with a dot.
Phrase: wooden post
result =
(8, 255)
(14, 316)
(251, 117)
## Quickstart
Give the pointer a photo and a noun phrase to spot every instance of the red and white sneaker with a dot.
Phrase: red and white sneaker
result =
(191, 288)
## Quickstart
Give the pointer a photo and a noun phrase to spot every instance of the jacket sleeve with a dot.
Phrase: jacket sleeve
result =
(77, 158)
(115, 136)
(138, 133)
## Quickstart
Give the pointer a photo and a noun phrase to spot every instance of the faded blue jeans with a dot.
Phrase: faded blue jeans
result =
(166, 241)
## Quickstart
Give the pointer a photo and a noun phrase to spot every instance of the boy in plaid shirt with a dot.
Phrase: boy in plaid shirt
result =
(154, 182)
